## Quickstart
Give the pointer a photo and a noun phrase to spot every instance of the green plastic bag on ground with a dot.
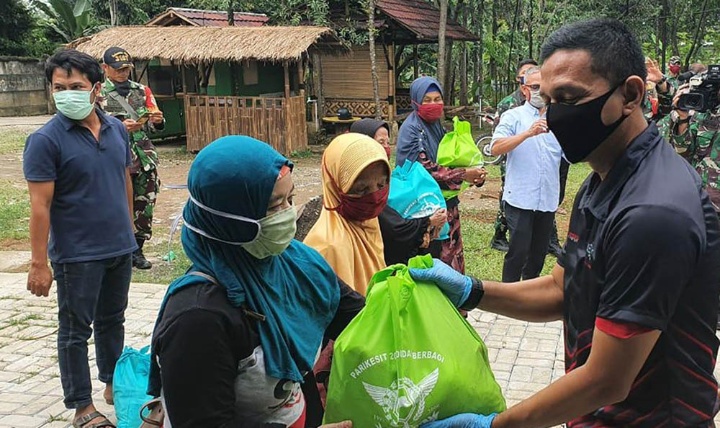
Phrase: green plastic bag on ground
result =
(408, 358)
(457, 149)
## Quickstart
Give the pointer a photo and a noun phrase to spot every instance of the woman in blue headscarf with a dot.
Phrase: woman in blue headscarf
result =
(418, 141)
(237, 336)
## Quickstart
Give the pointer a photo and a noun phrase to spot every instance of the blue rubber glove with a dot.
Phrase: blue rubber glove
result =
(454, 284)
(463, 420)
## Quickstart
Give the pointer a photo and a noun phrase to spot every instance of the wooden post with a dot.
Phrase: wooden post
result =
(317, 84)
(391, 82)
(415, 62)
(286, 72)
(301, 78)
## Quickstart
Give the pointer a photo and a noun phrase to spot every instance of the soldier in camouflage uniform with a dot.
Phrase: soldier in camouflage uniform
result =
(665, 86)
(499, 240)
(696, 137)
(650, 103)
(135, 105)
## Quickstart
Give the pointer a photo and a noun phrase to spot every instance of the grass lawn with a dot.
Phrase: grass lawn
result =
(485, 263)
(14, 202)
(14, 212)
(12, 142)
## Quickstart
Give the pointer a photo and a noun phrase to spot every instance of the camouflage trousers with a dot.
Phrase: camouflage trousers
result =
(501, 227)
(146, 185)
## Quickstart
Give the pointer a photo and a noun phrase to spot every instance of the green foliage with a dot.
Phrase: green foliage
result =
(70, 19)
(16, 23)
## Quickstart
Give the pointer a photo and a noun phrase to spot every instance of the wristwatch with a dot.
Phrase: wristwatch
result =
(663, 80)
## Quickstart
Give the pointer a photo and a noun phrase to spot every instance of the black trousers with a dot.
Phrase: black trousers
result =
(564, 169)
(529, 238)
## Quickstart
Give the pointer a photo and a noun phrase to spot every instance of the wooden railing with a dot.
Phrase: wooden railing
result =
(279, 122)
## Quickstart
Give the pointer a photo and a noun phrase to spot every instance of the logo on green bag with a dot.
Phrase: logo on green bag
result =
(403, 403)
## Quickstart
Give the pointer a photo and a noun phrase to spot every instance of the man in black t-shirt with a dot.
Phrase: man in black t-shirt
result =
(638, 283)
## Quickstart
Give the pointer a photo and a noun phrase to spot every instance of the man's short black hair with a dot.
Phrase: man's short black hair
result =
(522, 63)
(68, 59)
(615, 52)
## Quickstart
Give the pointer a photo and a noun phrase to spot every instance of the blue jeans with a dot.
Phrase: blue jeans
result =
(88, 293)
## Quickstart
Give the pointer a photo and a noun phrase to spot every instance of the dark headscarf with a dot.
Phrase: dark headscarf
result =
(415, 134)
(368, 126)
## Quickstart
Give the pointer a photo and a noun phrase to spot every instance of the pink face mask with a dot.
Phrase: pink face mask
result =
(674, 69)
(430, 112)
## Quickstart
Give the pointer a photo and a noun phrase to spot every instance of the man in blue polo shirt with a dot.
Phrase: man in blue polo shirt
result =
(637, 286)
(77, 169)
(532, 180)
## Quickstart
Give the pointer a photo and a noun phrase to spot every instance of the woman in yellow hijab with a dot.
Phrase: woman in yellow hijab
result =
(356, 173)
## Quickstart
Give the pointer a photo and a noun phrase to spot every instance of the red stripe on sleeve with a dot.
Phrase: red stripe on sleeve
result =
(620, 330)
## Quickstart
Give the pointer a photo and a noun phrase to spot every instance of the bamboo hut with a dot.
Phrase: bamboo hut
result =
(345, 81)
(224, 80)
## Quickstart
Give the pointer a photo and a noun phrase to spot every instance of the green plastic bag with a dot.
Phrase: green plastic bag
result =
(457, 149)
(408, 358)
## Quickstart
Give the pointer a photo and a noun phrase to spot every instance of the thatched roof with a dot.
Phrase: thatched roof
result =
(195, 44)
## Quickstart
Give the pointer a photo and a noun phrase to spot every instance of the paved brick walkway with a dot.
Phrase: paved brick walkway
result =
(525, 357)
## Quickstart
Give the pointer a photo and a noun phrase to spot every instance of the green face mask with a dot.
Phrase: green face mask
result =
(74, 105)
(276, 232)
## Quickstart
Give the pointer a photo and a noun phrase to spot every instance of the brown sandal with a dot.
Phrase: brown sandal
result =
(84, 421)
(155, 414)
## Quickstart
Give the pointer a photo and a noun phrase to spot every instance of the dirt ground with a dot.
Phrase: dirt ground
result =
(174, 166)
(306, 176)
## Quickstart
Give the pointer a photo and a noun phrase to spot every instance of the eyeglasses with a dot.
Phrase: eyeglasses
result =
(533, 88)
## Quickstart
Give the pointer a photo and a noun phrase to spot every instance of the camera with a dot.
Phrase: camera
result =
(703, 95)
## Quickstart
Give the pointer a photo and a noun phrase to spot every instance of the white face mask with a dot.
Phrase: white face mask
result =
(536, 100)
(275, 232)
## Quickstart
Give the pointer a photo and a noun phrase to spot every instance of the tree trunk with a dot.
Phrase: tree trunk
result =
(493, 60)
(114, 19)
(463, 61)
(448, 84)
(663, 21)
(698, 35)
(510, 63)
(673, 29)
(479, 51)
(373, 59)
(231, 13)
(442, 55)
(530, 29)
(463, 74)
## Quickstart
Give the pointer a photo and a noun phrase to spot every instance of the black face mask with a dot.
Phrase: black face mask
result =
(579, 128)
(122, 88)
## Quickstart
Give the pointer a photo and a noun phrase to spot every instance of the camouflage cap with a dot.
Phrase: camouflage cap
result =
(674, 60)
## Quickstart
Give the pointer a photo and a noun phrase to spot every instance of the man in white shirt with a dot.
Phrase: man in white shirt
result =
(532, 183)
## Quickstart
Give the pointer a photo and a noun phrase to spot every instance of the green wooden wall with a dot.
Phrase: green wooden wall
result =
(228, 82)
